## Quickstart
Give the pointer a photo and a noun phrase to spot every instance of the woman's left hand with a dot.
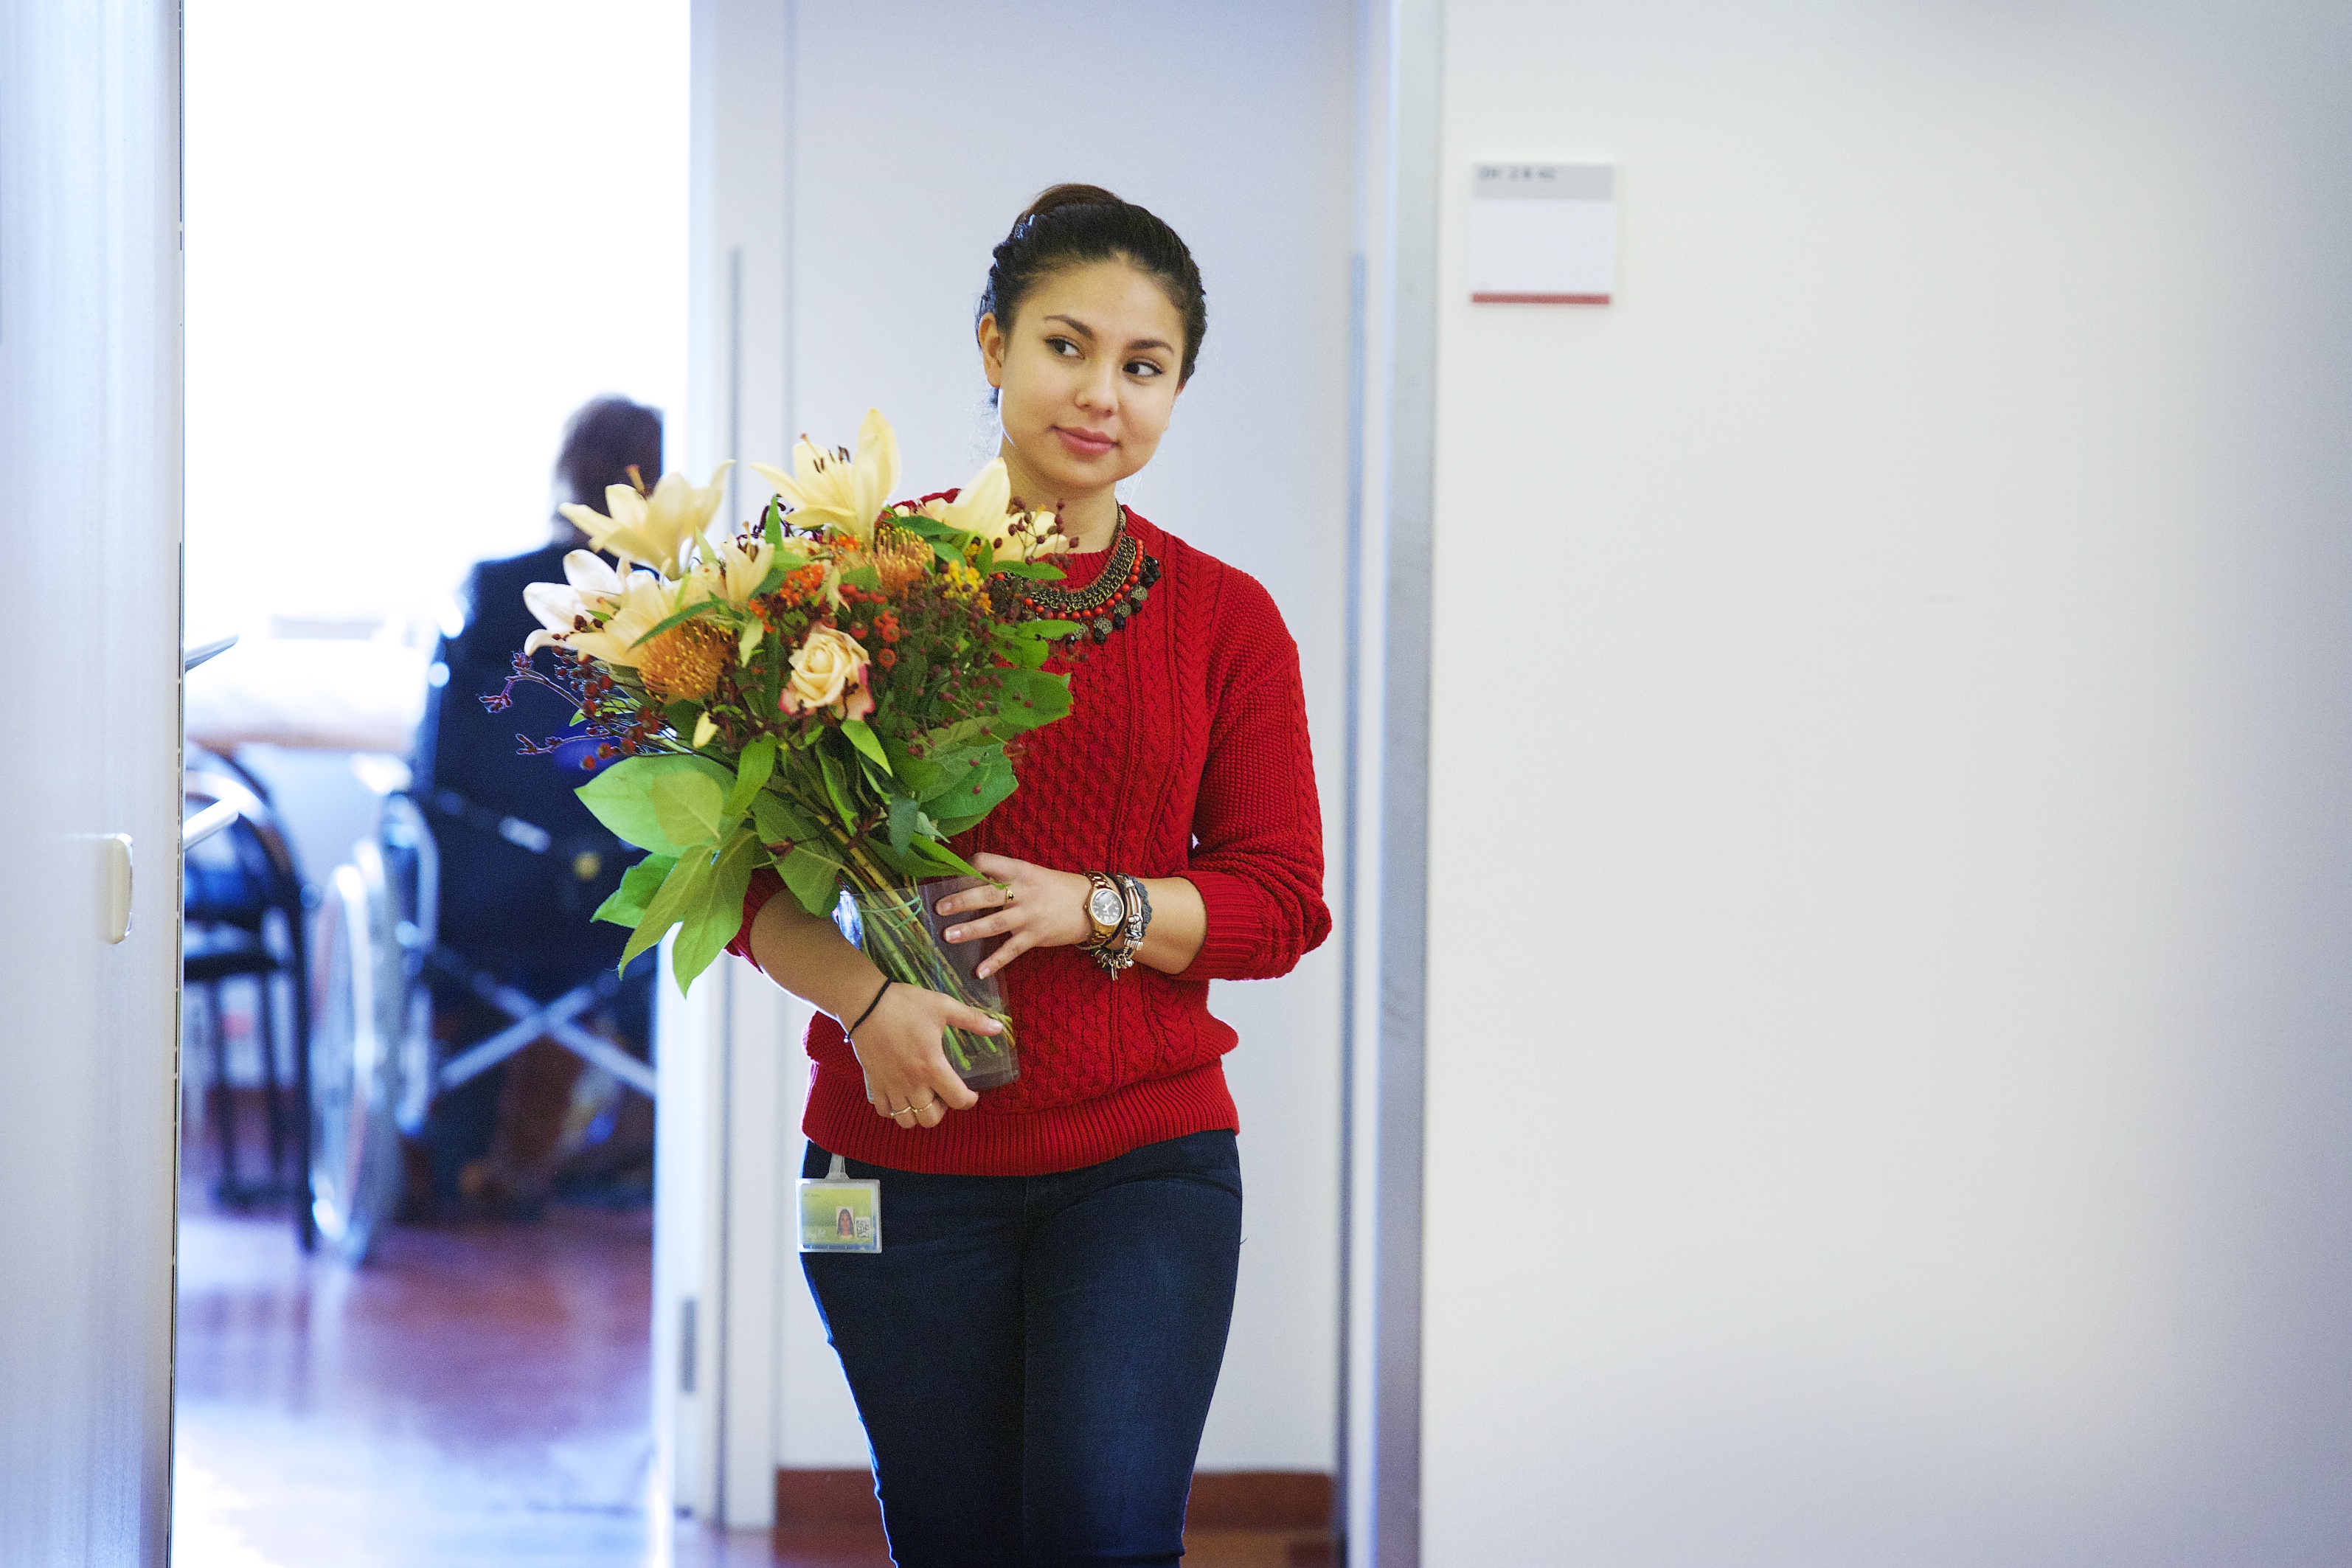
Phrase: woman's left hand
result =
(1032, 906)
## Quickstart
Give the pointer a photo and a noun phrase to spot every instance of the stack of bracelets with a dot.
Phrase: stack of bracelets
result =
(1117, 950)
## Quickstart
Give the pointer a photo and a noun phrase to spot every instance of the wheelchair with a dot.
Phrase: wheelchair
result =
(386, 966)
(371, 1061)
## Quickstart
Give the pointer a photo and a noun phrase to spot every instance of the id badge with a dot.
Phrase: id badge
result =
(838, 1215)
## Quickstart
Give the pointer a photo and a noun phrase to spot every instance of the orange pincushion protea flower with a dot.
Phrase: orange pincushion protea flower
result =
(904, 560)
(684, 662)
(900, 559)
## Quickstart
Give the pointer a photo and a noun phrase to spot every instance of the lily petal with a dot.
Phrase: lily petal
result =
(877, 467)
(591, 573)
(978, 507)
(556, 605)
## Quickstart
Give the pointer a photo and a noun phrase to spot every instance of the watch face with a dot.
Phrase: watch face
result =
(1106, 906)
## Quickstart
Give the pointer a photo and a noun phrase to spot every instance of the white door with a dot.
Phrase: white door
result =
(90, 493)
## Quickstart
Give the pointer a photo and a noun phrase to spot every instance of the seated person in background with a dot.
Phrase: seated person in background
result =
(523, 867)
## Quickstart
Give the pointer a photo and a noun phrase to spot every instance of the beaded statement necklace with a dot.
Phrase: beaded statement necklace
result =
(1103, 605)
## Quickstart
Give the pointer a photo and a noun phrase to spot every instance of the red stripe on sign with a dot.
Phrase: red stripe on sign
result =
(1540, 299)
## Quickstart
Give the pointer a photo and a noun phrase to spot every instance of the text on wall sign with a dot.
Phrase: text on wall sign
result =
(1543, 234)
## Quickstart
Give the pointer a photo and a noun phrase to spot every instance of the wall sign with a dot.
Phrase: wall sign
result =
(1543, 234)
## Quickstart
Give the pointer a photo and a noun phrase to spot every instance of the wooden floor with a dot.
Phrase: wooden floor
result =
(476, 1396)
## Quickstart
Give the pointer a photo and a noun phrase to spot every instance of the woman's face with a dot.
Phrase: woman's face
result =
(1087, 377)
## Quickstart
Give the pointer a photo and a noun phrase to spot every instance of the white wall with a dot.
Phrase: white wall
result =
(90, 441)
(862, 183)
(1232, 121)
(1891, 826)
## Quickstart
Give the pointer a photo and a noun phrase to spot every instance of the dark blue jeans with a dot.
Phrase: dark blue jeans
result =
(1033, 1356)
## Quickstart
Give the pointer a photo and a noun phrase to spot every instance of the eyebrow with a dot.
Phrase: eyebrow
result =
(1087, 332)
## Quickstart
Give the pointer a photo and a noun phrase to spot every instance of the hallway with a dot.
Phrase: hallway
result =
(476, 1397)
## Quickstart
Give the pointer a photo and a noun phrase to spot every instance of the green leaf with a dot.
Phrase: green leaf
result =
(1032, 698)
(626, 907)
(1022, 652)
(708, 609)
(751, 770)
(1044, 631)
(837, 785)
(944, 861)
(814, 881)
(907, 863)
(861, 735)
(782, 563)
(691, 807)
(1035, 570)
(865, 577)
(903, 813)
(777, 822)
(962, 732)
(931, 528)
(621, 797)
(920, 776)
(679, 896)
(976, 792)
(707, 930)
(960, 767)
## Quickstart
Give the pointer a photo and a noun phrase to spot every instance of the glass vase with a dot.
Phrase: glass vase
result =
(897, 926)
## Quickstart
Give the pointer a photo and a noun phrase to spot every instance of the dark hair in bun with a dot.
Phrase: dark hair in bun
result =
(1070, 225)
(606, 438)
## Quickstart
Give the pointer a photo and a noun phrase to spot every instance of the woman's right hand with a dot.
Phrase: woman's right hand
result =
(907, 1077)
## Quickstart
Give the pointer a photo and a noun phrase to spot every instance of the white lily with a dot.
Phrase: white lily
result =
(844, 496)
(656, 529)
(980, 508)
(645, 602)
(590, 590)
(734, 571)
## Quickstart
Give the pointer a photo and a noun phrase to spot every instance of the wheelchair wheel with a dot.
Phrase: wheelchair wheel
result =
(412, 876)
(359, 1016)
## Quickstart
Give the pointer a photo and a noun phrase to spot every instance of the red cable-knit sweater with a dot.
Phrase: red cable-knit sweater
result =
(1185, 754)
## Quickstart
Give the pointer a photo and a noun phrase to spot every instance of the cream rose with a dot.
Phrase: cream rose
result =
(828, 670)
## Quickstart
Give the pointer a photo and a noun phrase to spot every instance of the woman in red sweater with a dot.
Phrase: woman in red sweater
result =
(1034, 1349)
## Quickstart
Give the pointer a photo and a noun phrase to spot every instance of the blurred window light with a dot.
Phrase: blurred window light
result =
(417, 237)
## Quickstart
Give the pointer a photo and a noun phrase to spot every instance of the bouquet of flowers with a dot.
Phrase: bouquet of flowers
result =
(830, 693)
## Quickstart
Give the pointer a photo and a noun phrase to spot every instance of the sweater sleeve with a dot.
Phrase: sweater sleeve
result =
(1257, 823)
(765, 885)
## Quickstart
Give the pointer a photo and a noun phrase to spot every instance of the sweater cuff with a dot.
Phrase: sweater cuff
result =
(1234, 942)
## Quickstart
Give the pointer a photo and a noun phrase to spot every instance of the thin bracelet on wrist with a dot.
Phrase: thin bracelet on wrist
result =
(1138, 910)
(851, 1032)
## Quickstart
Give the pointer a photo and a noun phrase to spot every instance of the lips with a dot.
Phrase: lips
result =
(1084, 442)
